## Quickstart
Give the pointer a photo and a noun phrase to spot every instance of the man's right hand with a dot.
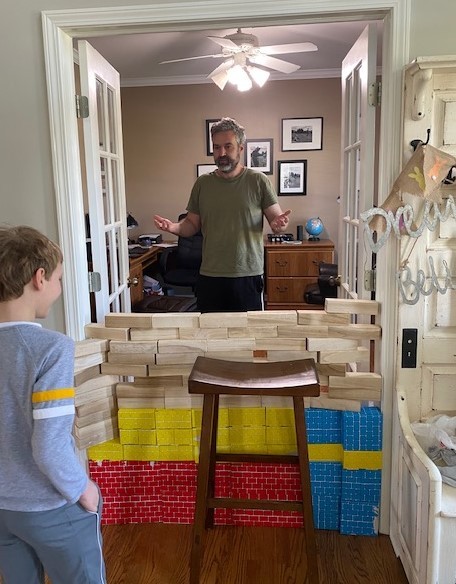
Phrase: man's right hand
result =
(90, 497)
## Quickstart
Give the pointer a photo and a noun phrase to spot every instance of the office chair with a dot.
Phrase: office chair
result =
(179, 266)
(326, 286)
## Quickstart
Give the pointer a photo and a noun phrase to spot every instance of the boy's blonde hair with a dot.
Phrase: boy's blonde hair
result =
(23, 250)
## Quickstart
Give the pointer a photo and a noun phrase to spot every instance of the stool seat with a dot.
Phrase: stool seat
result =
(215, 377)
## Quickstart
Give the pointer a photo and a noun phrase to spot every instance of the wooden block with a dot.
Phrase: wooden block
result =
(128, 320)
(252, 332)
(234, 345)
(100, 393)
(183, 346)
(122, 369)
(105, 403)
(89, 361)
(154, 334)
(162, 381)
(191, 401)
(332, 369)
(355, 394)
(94, 417)
(147, 347)
(259, 317)
(167, 370)
(321, 318)
(245, 356)
(300, 331)
(207, 333)
(329, 344)
(132, 390)
(96, 382)
(327, 403)
(132, 358)
(83, 375)
(175, 320)
(276, 401)
(360, 386)
(177, 358)
(223, 319)
(240, 401)
(99, 331)
(90, 346)
(353, 306)
(358, 355)
(281, 344)
(355, 331)
(96, 433)
(133, 403)
(275, 356)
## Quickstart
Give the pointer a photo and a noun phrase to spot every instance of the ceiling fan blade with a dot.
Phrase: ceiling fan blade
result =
(223, 67)
(191, 58)
(224, 42)
(273, 63)
(288, 48)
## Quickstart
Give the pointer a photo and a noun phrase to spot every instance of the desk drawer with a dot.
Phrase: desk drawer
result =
(287, 263)
(288, 290)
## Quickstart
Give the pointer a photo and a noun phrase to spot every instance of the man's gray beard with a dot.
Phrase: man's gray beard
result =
(228, 167)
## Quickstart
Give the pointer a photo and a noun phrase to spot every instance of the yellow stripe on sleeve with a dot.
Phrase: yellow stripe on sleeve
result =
(52, 395)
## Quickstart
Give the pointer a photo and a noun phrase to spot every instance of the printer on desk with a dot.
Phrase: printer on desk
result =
(149, 239)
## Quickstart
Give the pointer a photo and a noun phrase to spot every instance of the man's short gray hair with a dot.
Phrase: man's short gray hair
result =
(227, 125)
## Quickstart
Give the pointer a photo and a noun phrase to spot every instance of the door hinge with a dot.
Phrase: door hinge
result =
(369, 280)
(375, 93)
(82, 106)
(94, 281)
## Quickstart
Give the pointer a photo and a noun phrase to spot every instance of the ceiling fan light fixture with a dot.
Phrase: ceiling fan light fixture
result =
(220, 79)
(237, 75)
(260, 76)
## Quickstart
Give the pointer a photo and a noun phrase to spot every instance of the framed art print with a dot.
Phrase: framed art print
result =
(205, 169)
(302, 134)
(258, 155)
(209, 146)
(292, 177)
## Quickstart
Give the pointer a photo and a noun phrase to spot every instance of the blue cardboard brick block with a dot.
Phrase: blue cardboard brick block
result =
(362, 430)
(323, 426)
(326, 512)
(358, 518)
(361, 485)
(326, 478)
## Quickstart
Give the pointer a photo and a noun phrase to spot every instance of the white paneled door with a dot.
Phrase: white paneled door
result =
(100, 82)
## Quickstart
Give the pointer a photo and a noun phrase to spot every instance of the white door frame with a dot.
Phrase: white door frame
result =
(61, 26)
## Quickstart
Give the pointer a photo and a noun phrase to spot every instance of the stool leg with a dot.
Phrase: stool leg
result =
(304, 469)
(212, 461)
(202, 488)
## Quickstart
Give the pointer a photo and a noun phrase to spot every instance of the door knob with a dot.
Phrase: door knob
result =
(132, 282)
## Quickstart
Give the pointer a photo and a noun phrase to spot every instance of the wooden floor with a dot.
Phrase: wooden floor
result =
(159, 554)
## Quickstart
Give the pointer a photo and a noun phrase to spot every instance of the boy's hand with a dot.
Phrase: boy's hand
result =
(90, 497)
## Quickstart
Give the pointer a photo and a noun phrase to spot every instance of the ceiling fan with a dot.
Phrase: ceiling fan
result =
(242, 53)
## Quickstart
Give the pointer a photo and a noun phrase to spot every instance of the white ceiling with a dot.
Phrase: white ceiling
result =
(137, 56)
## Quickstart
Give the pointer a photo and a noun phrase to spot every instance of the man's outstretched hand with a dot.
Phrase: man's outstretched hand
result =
(280, 222)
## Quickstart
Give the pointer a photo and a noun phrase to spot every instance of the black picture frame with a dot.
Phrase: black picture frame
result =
(205, 169)
(302, 134)
(292, 177)
(259, 154)
(209, 146)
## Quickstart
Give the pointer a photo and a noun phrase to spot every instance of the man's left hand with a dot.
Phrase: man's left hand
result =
(280, 222)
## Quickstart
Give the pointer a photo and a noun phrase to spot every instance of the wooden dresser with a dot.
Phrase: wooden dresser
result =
(290, 268)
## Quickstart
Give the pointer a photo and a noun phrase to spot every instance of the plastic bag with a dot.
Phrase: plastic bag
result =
(437, 431)
(152, 287)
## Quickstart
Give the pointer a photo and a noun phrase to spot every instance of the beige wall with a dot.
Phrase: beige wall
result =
(27, 193)
(165, 138)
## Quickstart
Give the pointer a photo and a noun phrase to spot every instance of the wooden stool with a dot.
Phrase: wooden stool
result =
(214, 377)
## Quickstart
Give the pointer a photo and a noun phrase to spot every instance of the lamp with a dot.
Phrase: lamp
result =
(131, 221)
(237, 72)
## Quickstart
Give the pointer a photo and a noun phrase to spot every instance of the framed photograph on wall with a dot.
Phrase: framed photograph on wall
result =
(292, 177)
(302, 134)
(205, 169)
(258, 154)
(209, 146)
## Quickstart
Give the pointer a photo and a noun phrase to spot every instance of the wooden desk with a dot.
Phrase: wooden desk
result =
(138, 264)
(290, 268)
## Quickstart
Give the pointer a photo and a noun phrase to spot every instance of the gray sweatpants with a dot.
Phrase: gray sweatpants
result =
(65, 543)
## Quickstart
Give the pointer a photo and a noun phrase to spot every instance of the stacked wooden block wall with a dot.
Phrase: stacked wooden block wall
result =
(160, 422)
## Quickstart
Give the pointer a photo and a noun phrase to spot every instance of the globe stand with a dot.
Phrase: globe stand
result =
(313, 238)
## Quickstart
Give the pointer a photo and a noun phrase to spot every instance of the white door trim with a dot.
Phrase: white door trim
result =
(61, 26)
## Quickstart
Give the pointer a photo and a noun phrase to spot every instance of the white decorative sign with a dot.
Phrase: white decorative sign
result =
(423, 285)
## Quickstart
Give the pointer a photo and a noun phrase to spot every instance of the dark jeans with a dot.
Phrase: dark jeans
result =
(229, 294)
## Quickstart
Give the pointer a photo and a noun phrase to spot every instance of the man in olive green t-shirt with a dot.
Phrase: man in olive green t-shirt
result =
(228, 205)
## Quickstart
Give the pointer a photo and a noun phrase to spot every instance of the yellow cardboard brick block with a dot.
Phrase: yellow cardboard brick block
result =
(246, 416)
(165, 436)
(129, 436)
(180, 418)
(150, 452)
(326, 452)
(280, 417)
(247, 435)
(133, 452)
(249, 449)
(280, 435)
(175, 453)
(147, 437)
(283, 449)
(135, 419)
(223, 438)
(362, 460)
(223, 419)
(110, 450)
(183, 437)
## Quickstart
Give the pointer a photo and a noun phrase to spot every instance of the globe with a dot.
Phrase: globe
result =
(314, 227)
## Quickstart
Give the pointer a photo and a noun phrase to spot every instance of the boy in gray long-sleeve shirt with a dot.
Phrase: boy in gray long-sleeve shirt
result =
(49, 508)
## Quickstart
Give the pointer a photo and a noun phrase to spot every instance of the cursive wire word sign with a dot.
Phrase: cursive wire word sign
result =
(423, 285)
(403, 221)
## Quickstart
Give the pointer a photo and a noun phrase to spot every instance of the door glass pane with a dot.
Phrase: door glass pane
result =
(101, 115)
(115, 190)
(104, 189)
(111, 122)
